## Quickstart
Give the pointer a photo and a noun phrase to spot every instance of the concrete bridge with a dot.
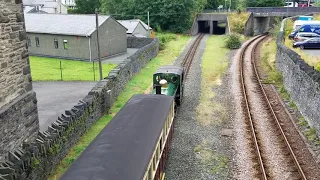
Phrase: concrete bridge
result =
(262, 18)
(282, 11)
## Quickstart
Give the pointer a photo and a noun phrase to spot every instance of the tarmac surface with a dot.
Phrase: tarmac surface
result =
(57, 96)
(119, 58)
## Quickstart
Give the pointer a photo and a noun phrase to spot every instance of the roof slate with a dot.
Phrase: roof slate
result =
(65, 24)
(132, 24)
(123, 149)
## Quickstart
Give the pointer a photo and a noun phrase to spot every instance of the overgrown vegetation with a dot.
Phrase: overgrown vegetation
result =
(237, 21)
(164, 38)
(214, 65)
(49, 69)
(233, 41)
(137, 85)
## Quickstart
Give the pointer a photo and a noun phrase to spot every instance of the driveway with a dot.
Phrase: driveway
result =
(56, 97)
(120, 58)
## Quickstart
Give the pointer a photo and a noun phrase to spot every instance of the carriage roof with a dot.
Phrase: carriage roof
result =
(123, 149)
(170, 69)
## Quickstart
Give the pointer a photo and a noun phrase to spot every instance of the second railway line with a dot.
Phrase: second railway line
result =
(279, 150)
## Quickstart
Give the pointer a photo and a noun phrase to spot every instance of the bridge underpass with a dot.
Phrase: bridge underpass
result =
(210, 24)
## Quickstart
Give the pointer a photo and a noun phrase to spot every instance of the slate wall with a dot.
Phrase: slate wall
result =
(35, 160)
(301, 81)
(18, 104)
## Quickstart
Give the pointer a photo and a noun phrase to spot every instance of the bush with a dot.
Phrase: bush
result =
(233, 41)
(165, 38)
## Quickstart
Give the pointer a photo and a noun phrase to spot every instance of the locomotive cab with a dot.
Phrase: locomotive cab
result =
(170, 80)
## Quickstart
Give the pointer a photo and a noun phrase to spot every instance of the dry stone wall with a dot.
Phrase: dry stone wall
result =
(18, 104)
(301, 81)
(35, 160)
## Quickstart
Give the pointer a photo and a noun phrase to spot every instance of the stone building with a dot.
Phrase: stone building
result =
(136, 27)
(74, 36)
(18, 103)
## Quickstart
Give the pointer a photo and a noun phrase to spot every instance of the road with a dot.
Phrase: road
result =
(56, 97)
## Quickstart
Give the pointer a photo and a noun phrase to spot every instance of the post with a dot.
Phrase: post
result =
(98, 42)
(148, 24)
(60, 71)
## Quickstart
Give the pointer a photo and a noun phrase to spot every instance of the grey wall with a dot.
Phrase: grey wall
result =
(78, 48)
(18, 104)
(301, 81)
(38, 158)
(140, 30)
(282, 11)
(248, 27)
(113, 39)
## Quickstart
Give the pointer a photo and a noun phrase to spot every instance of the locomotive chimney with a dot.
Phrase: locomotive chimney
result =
(158, 89)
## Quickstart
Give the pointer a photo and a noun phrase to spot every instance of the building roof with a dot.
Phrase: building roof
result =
(132, 24)
(32, 2)
(123, 149)
(65, 24)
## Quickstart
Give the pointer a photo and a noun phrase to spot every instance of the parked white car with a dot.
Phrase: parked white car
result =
(290, 4)
(304, 36)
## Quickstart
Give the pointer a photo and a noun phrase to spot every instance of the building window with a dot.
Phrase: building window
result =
(37, 42)
(65, 44)
(56, 45)
(28, 42)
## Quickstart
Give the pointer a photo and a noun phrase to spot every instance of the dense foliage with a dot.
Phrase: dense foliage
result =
(170, 15)
(264, 3)
(85, 7)
(233, 41)
(214, 4)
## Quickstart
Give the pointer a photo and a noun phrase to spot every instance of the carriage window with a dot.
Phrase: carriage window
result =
(150, 172)
(174, 79)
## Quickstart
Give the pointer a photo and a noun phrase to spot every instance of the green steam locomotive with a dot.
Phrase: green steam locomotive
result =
(168, 80)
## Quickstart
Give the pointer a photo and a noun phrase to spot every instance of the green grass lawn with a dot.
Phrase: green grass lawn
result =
(214, 65)
(48, 69)
(137, 85)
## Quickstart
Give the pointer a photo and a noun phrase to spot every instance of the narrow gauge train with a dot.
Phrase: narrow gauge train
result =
(168, 80)
(133, 146)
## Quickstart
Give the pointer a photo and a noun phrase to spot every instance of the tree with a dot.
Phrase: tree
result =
(173, 15)
(264, 3)
(86, 6)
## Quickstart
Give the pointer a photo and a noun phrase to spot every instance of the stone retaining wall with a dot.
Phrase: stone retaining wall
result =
(134, 42)
(35, 160)
(301, 81)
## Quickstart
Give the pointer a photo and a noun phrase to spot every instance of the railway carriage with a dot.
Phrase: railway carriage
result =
(168, 80)
(133, 146)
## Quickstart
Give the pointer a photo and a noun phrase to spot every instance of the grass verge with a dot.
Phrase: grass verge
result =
(48, 69)
(137, 85)
(214, 65)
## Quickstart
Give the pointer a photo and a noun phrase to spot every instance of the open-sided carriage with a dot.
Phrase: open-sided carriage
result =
(133, 146)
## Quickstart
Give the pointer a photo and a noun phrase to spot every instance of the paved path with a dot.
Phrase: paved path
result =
(118, 59)
(56, 97)
(313, 52)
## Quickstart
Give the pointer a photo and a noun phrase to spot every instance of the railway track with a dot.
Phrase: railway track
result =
(291, 155)
(187, 61)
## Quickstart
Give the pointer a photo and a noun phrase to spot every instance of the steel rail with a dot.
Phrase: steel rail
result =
(187, 61)
(275, 117)
(253, 133)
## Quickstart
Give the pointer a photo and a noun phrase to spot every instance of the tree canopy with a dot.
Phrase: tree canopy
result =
(85, 6)
(264, 3)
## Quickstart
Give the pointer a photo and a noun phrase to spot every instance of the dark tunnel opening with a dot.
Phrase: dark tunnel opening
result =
(219, 27)
(204, 27)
